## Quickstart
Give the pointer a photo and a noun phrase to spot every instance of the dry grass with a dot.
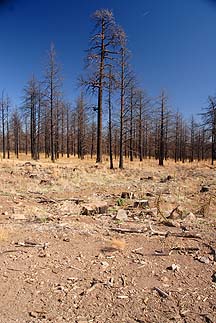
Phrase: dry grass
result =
(136, 164)
(118, 244)
(72, 177)
(4, 234)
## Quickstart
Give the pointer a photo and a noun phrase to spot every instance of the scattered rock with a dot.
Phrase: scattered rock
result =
(46, 182)
(66, 239)
(96, 208)
(127, 195)
(214, 277)
(166, 179)
(104, 264)
(150, 178)
(204, 189)
(88, 210)
(18, 217)
(29, 164)
(102, 209)
(33, 314)
(38, 314)
(121, 215)
(141, 204)
(173, 267)
(191, 217)
(149, 194)
(33, 176)
(75, 169)
(203, 260)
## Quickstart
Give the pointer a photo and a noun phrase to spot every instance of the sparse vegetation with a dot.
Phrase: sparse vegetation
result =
(4, 234)
(60, 245)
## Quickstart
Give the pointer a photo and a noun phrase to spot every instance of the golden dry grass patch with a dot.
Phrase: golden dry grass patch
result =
(118, 244)
(4, 234)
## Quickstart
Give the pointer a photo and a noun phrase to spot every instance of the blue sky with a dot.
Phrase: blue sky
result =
(173, 44)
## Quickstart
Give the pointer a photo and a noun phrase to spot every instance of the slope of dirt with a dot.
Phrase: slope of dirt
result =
(81, 243)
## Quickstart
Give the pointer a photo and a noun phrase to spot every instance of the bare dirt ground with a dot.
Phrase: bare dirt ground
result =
(82, 243)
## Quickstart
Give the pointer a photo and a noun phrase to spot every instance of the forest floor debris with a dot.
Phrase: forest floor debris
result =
(101, 246)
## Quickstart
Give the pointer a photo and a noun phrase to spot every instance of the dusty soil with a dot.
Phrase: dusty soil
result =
(69, 255)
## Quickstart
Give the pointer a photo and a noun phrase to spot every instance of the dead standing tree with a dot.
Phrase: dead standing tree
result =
(16, 126)
(122, 96)
(7, 127)
(110, 89)
(131, 118)
(143, 105)
(162, 130)
(81, 126)
(209, 119)
(52, 93)
(192, 138)
(126, 76)
(31, 105)
(3, 109)
(103, 48)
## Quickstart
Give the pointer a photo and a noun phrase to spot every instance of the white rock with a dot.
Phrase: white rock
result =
(121, 215)
(18, 217)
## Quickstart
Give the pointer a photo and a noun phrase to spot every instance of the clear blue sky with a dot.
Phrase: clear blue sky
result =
(173, 44)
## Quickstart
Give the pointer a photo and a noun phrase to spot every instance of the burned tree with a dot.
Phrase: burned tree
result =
(103, 49)
(52, 93)
(192, 138)
(31, 105)
(142, 118)
(16, 125)
(124, 81)
(7, 127)
(162, 130)
(110, 89)
(3, 108)
(209, 119)
(81, 124)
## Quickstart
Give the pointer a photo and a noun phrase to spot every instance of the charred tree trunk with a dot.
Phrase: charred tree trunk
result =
(161, 144)
(110, 119)
(100, 95)
(140, 121)
(131, 149)
(121, 166)
(8, 130)
(3, 125)
(68, 134)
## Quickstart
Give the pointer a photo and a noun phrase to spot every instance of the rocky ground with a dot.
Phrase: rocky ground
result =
(82, 243)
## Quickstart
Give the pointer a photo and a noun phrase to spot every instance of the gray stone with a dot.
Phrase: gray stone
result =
(18, 217)
(121, 215)
(141, 204)
(191, 217)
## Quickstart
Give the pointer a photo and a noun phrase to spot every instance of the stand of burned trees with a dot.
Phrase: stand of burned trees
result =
(123, 122)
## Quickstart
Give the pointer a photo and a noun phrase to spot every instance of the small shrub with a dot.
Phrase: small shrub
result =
(120, 201)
